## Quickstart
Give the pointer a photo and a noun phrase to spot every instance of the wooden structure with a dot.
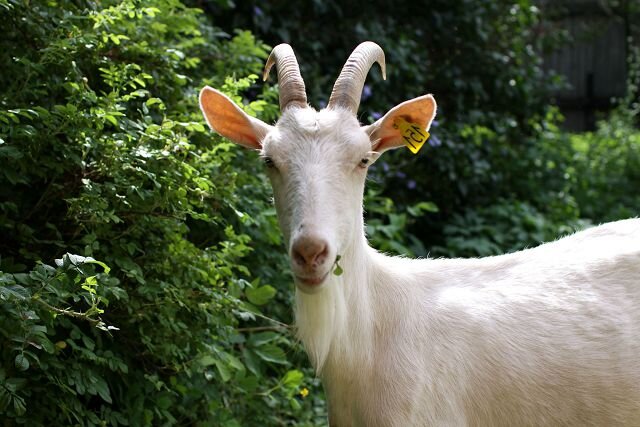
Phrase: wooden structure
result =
(593, 63)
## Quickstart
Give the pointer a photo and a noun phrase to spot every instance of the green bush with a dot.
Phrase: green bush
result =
(507, 226)
(606, 171)
(605, 166)
(104, 154)
(49, 316)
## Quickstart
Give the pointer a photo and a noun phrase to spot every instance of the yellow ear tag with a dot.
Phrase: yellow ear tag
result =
(413, 135)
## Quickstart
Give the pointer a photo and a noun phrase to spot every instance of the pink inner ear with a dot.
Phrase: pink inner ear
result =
(384, 143)
(230, 121)
(251, 140)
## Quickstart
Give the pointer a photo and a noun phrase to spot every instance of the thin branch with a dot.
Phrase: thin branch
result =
(70, 313)
(277, 322)
(264, 328)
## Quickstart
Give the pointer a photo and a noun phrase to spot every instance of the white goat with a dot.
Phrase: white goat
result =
(544, 337)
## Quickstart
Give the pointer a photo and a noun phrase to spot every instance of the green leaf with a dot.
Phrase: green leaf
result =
(19, 405)
(21, 362)
(15, 384)
(293, 379)
(417, 209)
(164, 401)
(103, 390)
(207, 360)
(111, 119)
(45, 343)
(198, 127)
(88, 342)
(100, 263)
(252, 360)
(224, 371)
(295, 405)
(249, 383)
(338, 270)
(271, 353)
(260, 295)
(235, 363)
(262, 338)
(14, 291)
(5, 399)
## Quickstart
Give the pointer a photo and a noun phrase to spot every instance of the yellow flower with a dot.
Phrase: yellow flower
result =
(61, 345)
(304, 392)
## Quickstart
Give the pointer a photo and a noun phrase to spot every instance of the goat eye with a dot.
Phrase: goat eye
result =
(268, 162)
(364, 162)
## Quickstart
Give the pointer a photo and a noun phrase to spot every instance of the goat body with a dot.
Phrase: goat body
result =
(547, 336)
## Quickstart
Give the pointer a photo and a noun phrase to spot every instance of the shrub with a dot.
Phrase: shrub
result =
(605, 166)
(104, 154)
(504, 227)
(606, 171)
(48, 319)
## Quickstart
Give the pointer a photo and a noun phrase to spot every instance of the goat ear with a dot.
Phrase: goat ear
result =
(384, 135)
(227, 119)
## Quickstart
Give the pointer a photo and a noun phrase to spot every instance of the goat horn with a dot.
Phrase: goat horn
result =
(292, 91)
(348, 87)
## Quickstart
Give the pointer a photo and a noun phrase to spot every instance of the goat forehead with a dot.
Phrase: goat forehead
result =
(327, 134)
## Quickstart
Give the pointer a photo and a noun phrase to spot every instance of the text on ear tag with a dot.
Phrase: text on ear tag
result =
(413, 135)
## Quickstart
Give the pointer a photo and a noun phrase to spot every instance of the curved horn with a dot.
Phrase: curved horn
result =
(348, 87)
(292, 91)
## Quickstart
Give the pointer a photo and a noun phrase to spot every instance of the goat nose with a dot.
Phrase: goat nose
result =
(309, 251)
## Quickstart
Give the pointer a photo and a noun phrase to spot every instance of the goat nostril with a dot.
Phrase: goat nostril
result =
(321, 256)
(298, 258)
(309, 251)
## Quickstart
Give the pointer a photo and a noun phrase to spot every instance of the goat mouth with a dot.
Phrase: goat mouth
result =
(313, 280)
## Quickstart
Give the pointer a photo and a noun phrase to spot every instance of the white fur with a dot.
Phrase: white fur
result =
(549, 336)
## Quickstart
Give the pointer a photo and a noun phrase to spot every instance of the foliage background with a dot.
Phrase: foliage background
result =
(184, 317)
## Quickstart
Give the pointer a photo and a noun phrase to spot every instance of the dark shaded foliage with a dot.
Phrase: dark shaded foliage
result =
(104, 153)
